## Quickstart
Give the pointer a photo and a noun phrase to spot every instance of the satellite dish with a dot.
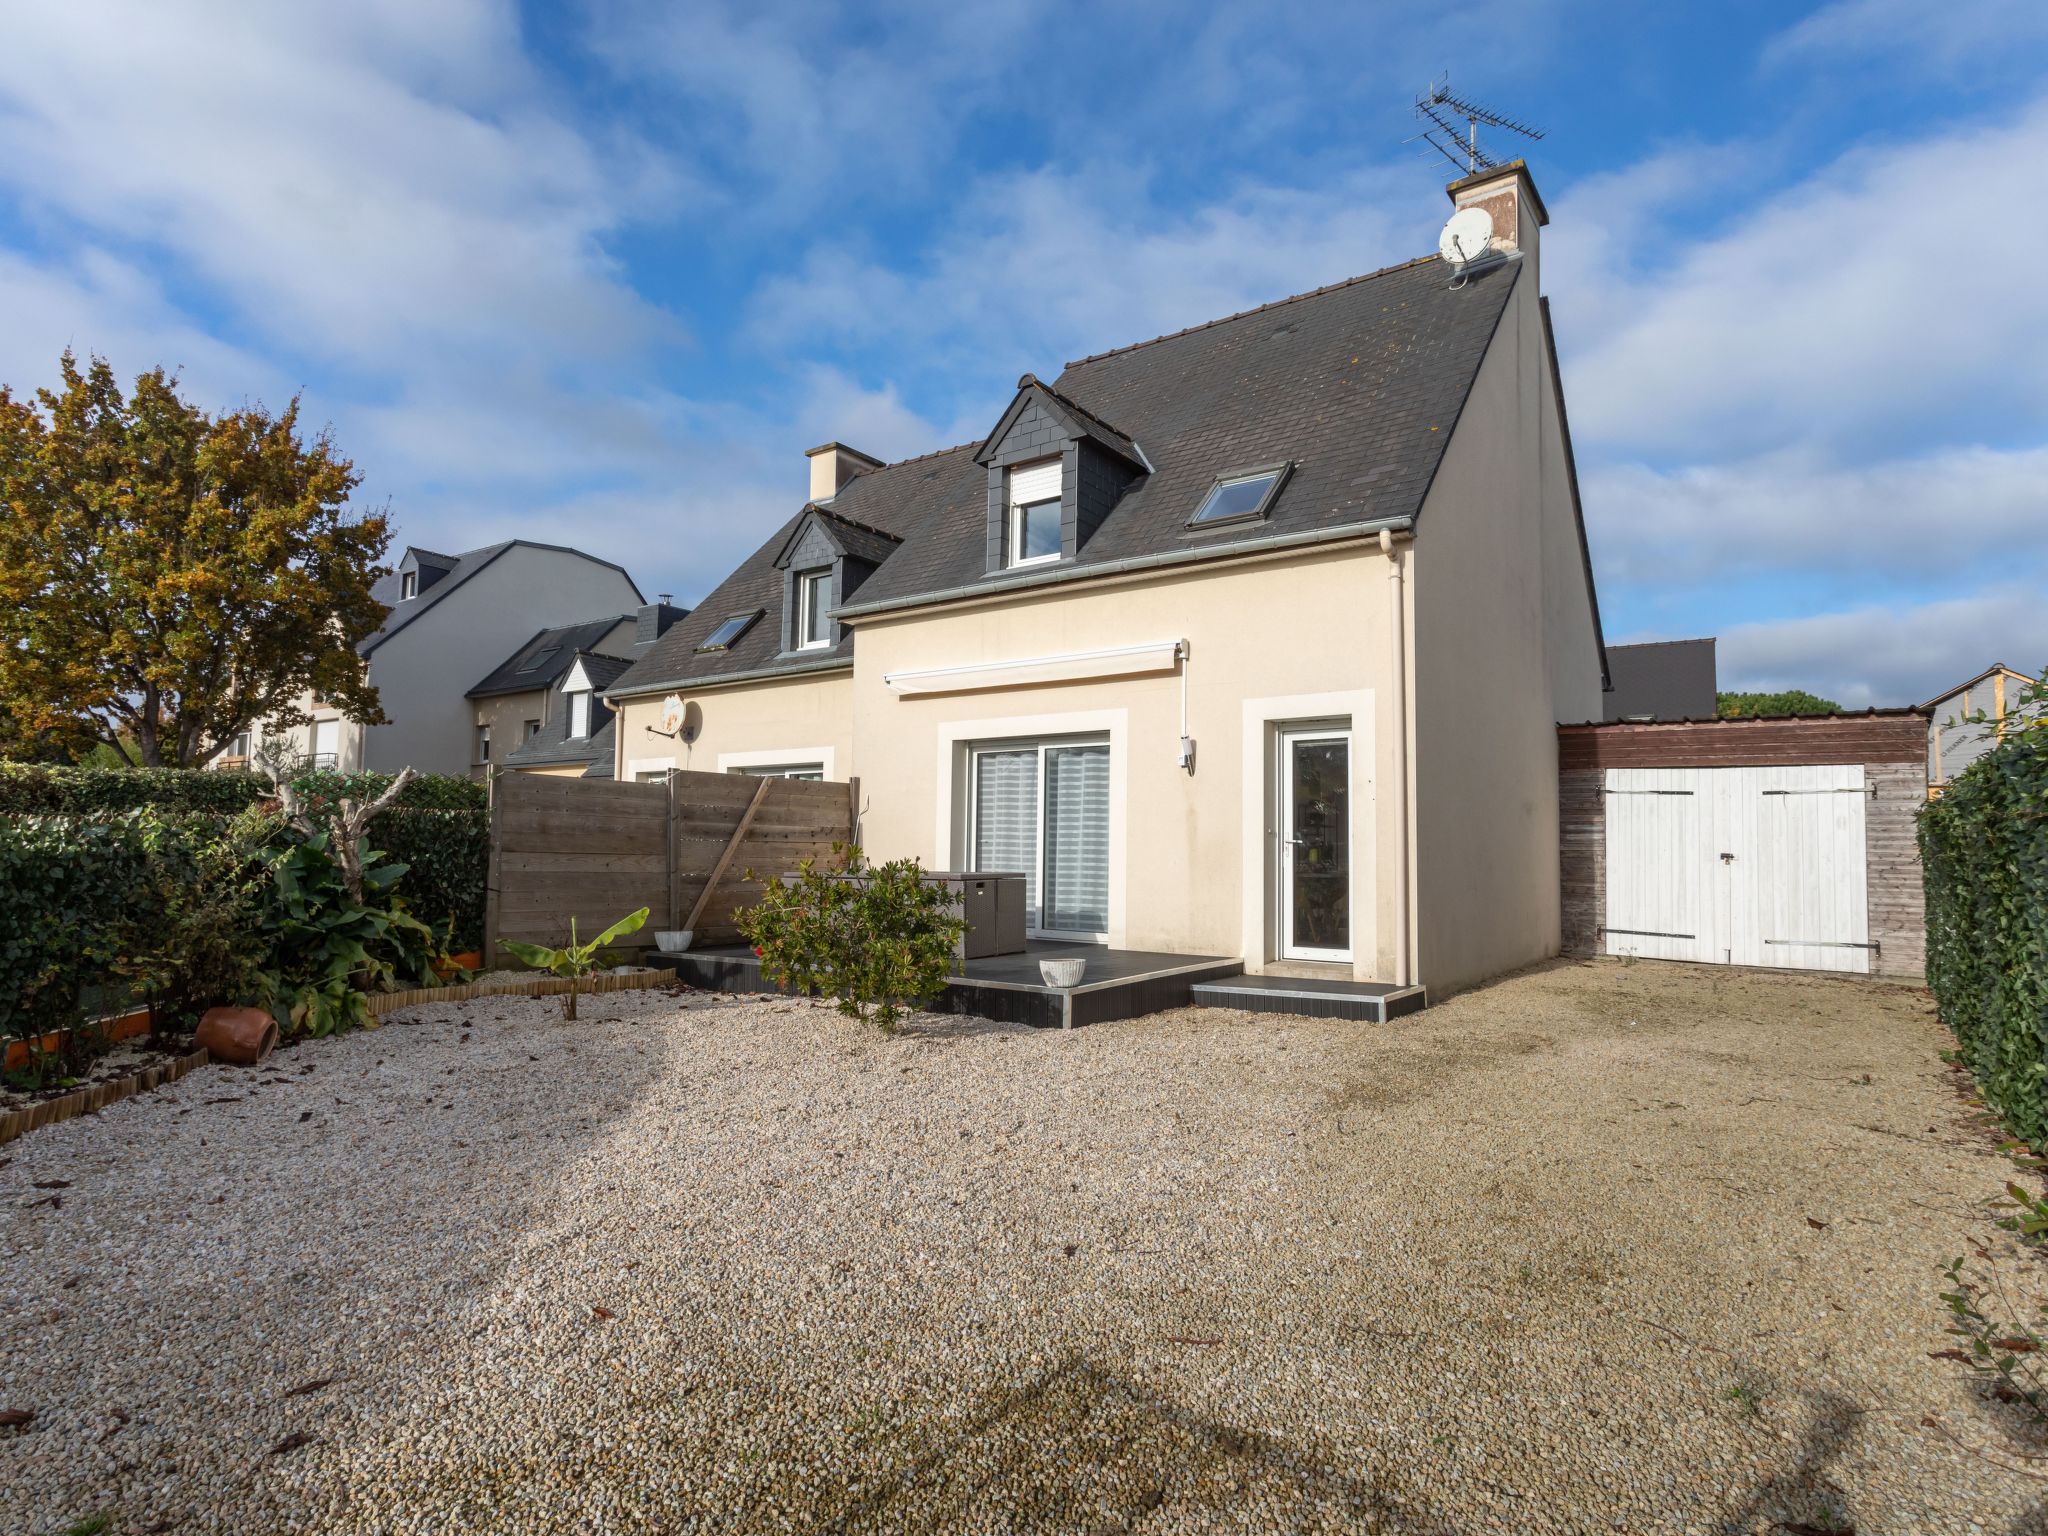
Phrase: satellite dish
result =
(675, 718)
(1467, 236)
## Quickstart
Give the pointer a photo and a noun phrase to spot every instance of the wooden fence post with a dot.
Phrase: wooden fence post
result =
(494, 801)
(675, 875)
(725, 859)
(853, 811)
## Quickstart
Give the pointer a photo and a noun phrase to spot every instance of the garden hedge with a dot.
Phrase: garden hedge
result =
(1984, 850)
(69, 888)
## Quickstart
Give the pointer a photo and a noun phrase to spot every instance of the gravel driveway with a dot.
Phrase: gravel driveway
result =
(1599, 1248)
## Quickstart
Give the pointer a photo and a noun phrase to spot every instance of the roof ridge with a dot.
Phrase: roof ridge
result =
(1256, 309)
(917, 458)
(1694, 640)
(1095, 416)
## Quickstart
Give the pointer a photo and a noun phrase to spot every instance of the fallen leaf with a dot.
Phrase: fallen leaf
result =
(13, 1418)
(304, 1116)
(291, 1442)
(1949, 1354)
(602, 1314)
(2015, 1346)
(53, 1183)
(311, 1386)
(1818, 1226)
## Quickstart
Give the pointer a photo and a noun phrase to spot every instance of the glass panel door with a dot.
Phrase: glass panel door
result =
(1315, 845)
(1076, 839)
(1006, 818)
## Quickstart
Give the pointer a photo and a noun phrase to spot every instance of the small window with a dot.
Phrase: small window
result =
(1240, 496)
(814, 771)
(1035, 532)
(540, 658)
(408, 585)
(483, 743)
(813, 628)
(532, 729)
(728, 631)
(579, 714)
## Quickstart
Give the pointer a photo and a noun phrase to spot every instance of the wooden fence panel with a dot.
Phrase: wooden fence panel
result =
(598, 849)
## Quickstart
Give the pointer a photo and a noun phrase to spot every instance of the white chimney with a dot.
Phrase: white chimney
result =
(832, 465)
(1508, 196)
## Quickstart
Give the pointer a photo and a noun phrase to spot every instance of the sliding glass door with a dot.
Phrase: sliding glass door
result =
(1041, 809)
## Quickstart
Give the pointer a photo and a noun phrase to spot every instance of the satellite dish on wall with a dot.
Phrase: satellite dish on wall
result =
(1467, 236)
(679, 719)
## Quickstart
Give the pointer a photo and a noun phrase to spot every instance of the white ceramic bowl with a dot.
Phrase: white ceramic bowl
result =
(673, 941)
(1062, 973)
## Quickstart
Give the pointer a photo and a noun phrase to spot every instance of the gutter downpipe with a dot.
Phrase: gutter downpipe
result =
(1397, 650)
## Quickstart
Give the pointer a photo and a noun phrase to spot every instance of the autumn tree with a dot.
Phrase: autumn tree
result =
(167, 578)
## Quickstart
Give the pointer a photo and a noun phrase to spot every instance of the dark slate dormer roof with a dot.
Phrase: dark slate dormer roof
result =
(1076, 417)
(552, 745)
(517, 674)
(460, 568)
(842, 533)
(1358, 385)
(888, 502)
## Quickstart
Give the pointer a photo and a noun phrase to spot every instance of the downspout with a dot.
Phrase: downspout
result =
(1397, 650)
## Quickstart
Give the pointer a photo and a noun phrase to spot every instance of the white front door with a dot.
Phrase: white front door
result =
(1742, 866)
(1313, 866)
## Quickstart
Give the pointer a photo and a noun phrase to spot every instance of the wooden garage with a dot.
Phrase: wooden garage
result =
(1782, 843)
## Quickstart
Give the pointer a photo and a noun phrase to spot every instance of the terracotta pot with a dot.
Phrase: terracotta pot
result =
(243, 1036)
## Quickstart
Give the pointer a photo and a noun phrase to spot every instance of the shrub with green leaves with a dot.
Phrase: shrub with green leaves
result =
(70, 892)
(36, 789)
(878, 938)
(1984, 856)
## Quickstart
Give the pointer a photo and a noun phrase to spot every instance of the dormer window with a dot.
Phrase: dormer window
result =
(579, 714)
(1241, 496)
(813, 599)
(1033, 535)
(408, 585)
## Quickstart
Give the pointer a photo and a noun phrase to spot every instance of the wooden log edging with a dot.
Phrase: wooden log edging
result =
(94, 1097)
(518, 985)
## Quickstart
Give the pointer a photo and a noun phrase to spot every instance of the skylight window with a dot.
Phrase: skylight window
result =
(541, 658)
(1240, 497)
(728, 631)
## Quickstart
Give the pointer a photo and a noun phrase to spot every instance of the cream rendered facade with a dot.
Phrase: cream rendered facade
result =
(1498, 640)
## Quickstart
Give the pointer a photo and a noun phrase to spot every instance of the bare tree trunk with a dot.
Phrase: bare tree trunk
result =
(349, 826)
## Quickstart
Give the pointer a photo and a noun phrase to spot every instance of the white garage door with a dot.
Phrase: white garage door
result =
(1741, 866)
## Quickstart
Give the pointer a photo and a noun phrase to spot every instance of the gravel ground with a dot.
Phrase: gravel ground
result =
(1599, 1248)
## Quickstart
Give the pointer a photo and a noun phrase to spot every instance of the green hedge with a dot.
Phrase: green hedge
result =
(1984, 852)
(33, 789)
(440, 825)
(70, 890)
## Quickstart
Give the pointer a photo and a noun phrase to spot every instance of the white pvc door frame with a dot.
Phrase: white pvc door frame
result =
(1762, 866)
(1287, 738)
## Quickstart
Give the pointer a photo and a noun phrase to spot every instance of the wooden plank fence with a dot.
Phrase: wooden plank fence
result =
(681, 847)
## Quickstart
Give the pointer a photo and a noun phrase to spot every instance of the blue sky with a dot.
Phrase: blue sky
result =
(599, 273)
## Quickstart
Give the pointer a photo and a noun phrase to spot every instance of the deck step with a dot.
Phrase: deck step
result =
(1311, 997)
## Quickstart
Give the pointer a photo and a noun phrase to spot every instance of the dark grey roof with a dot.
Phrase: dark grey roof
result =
(890, 501)
(602, 750)
(398, 613)
(845, 535)
(1359, 385)
(1078, 417)
(552, 745)
(1662, 680)
(517, 674)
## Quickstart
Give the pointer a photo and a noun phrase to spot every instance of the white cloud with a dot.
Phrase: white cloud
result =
(1939, 39)
(1888, 655)
(1789, 511)
(1039, 267)
(1886, 293)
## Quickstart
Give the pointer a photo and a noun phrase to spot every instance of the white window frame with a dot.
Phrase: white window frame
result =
(1013, 521)
(483, 742)
(1042, 745)
(810, 592)
(580, 696)
(812, 771)
(823, 759)
(408, 585)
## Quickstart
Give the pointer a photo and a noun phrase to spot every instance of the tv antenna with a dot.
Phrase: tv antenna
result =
(1438, 107)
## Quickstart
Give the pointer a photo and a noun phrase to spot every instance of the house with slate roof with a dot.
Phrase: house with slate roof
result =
(1250, 640)
(450, 619)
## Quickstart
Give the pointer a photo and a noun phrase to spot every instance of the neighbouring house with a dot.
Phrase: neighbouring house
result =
(450, 619)
(1662, 680)
(1250, 641)
(539, 711)
(1956, 735)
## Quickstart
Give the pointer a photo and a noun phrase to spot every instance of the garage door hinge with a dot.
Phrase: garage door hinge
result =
(1822, 944)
